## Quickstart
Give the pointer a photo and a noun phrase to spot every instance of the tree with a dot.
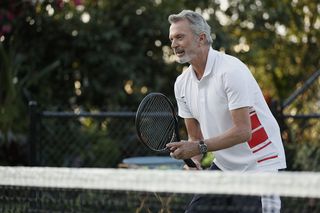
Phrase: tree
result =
(277, 39)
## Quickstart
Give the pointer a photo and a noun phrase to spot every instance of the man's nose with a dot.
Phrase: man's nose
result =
(173, 44)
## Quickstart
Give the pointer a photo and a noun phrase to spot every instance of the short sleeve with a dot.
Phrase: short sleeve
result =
(183, 109)
(237, 84)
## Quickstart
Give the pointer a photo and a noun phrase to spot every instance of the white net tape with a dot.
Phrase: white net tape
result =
(291, 184)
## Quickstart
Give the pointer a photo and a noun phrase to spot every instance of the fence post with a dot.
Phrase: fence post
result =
(32, 136)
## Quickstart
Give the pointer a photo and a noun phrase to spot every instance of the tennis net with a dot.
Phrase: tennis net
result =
(48, 189)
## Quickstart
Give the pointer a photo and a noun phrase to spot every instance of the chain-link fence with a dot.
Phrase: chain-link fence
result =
(70, 139)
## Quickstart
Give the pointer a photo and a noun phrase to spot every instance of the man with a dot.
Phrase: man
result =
(223, 108)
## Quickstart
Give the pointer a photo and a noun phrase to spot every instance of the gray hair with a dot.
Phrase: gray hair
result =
(197, 23)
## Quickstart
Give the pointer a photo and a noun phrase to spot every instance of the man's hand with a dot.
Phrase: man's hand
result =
(184, 150)
(198, 164)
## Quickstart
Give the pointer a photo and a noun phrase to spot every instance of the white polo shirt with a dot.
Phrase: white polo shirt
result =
(227, 84)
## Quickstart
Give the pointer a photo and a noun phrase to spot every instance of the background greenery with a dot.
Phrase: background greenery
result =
(100, 55)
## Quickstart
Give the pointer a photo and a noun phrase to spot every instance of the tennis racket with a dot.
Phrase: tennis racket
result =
(157, 123)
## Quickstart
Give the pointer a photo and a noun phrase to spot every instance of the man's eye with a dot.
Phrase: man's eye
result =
(181, 37)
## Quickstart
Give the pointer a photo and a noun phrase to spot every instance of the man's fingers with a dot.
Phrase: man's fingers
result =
(174, 145)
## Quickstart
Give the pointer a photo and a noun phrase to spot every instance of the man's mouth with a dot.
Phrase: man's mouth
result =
(179, 52)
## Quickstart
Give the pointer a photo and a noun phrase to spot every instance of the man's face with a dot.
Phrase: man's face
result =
(183, 41)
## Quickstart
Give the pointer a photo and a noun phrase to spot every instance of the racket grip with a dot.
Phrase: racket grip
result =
(190, 163)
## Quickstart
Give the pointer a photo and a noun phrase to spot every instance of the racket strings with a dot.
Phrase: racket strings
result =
(168, 122)
(157, 123)
(159, 116)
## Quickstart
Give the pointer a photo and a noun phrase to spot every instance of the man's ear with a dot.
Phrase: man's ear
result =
(202, 38)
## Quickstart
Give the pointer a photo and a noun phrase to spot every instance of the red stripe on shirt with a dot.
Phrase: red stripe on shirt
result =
(254, 121)
(262, 147)
(258, 137)
(268, 158)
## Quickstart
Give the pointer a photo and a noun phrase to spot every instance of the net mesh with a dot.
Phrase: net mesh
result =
(36, 189)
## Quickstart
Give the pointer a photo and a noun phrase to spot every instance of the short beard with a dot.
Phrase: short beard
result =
(183, 60)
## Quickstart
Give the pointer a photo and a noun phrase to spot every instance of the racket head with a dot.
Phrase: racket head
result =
(156, 122)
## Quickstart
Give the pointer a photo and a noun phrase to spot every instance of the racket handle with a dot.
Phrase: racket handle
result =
(190, 163)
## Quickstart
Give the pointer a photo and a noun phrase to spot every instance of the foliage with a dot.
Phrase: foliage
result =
(302, 135)
(80, 142)
(282, 37)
